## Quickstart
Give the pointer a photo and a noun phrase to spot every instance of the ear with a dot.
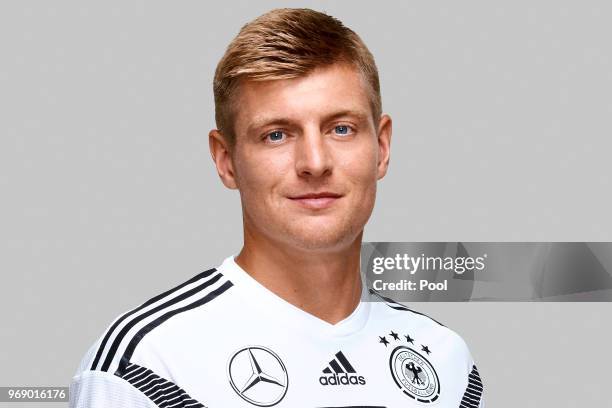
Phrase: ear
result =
(384, 144)
(221, 156)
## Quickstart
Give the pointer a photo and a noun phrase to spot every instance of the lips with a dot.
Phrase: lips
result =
(316, 201)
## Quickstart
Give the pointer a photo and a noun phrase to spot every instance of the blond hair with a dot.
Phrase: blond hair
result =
(288, 43)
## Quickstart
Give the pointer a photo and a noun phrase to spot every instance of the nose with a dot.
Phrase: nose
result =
(313, 155)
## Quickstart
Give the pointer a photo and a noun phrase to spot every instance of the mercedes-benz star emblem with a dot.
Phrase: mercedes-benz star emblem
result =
(258, 375)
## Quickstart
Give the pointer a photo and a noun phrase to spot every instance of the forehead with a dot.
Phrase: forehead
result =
(322, 93)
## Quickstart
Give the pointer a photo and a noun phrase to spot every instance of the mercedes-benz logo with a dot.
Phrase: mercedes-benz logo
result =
(258, 375)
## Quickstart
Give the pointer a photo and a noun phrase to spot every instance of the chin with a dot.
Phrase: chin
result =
(323, 239)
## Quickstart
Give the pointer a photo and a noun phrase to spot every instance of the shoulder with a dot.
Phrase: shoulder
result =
(113, 350)
(123, 368)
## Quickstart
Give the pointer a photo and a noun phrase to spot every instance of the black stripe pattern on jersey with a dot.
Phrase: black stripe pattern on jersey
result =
(473, 393)
(398, 306)
(162, 392)
(162, 307)
(112, 329)
(127, 355)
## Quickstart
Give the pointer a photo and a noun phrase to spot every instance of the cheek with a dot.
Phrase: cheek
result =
(259, 175)
(361, 168)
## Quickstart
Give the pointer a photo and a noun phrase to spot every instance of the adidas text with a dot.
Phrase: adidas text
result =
(342, 379)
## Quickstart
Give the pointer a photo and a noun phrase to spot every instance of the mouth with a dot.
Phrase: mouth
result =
(316, 201)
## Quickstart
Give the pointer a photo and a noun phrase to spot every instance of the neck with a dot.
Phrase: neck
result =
(326, 284)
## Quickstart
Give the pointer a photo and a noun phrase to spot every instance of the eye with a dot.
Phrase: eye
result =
(343, 130)
(275, 136)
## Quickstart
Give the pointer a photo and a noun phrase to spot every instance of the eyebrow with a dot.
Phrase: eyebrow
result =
(259, 123)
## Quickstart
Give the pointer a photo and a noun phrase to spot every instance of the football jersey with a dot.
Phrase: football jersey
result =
(222, 340)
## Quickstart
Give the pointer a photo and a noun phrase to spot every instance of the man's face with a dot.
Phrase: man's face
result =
(307, 158)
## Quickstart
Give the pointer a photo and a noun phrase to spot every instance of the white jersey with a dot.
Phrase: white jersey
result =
(223, 340)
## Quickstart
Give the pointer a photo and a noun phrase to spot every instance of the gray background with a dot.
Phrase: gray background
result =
(108, 195)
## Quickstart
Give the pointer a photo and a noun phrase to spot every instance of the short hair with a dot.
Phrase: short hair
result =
(288, 43)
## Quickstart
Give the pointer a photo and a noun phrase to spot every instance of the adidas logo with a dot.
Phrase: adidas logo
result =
(340, 372)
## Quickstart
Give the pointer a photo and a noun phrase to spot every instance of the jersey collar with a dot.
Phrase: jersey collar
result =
(265, 298)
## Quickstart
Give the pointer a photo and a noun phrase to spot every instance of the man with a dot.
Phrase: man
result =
(302, 137)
